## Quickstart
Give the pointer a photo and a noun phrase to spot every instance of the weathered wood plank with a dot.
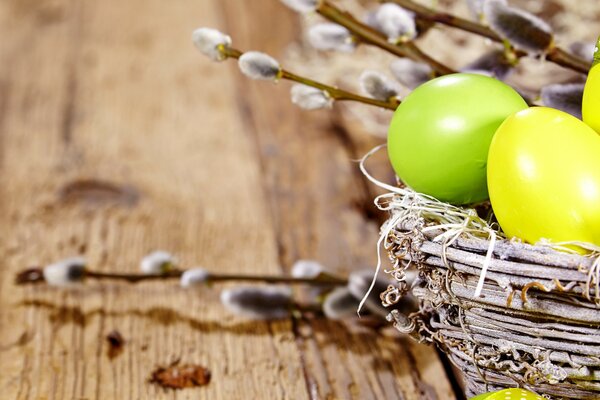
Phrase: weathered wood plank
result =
(114, 92)
(117, 138)
(322, 210)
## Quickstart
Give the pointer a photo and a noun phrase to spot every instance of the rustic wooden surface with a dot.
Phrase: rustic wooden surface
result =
(118, 138)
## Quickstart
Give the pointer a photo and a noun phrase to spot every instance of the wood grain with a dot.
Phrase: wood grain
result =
(117, 138)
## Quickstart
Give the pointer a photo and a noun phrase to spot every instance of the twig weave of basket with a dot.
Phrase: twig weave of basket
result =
(535, 325)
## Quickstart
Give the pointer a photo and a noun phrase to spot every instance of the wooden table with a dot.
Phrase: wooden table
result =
(117, 138)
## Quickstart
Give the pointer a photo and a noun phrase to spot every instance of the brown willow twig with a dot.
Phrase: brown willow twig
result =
(368, 35)
(334, 92)
(555, 54)
(35, 275)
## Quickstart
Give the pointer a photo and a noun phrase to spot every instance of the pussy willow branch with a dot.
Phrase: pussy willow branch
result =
(556, 54)
(333, 92)
(34, 275)
(370, 36)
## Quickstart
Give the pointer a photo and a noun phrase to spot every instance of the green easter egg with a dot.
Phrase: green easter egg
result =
(534, 152)
(439, 137)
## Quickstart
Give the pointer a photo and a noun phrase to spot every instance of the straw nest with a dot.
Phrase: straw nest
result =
(535, 321)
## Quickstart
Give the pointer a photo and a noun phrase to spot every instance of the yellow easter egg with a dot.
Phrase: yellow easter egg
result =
(509, 394)
(544, 177)
(483, 396)
(591, 94)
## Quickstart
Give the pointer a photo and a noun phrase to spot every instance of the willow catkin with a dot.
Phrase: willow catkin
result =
(65, 272)
(208, 42)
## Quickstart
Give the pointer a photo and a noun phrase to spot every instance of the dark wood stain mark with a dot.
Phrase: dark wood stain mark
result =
(116, 344)
(97, 192)
(63, 315)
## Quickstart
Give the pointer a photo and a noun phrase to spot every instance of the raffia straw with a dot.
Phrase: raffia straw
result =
(454, 221)
(382, 237)
(486, 263)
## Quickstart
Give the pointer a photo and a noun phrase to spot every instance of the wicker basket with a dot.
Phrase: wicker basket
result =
(535, 325)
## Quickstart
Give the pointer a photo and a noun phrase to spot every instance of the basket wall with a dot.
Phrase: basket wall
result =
(536, 324)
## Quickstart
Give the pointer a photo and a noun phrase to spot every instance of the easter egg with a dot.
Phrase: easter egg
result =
(544, 177)
(440, 134)
(483, 396)
(509, 394)
(591, 94)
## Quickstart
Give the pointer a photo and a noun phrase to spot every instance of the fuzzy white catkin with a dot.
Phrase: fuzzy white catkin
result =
(328, 36)
(492, 63)
(258, 302)
(310, 98)
(157, 262)
(378, 85)
(565, 97)
(257, 65)
(522, 29)
(584, 50)
(302, 6)
(65, 272)
(208, 40)
(476, 8)
(310, 269)
(307, 269)
(410, 73)
(340, 304)
(395, 22)
(194, 277)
